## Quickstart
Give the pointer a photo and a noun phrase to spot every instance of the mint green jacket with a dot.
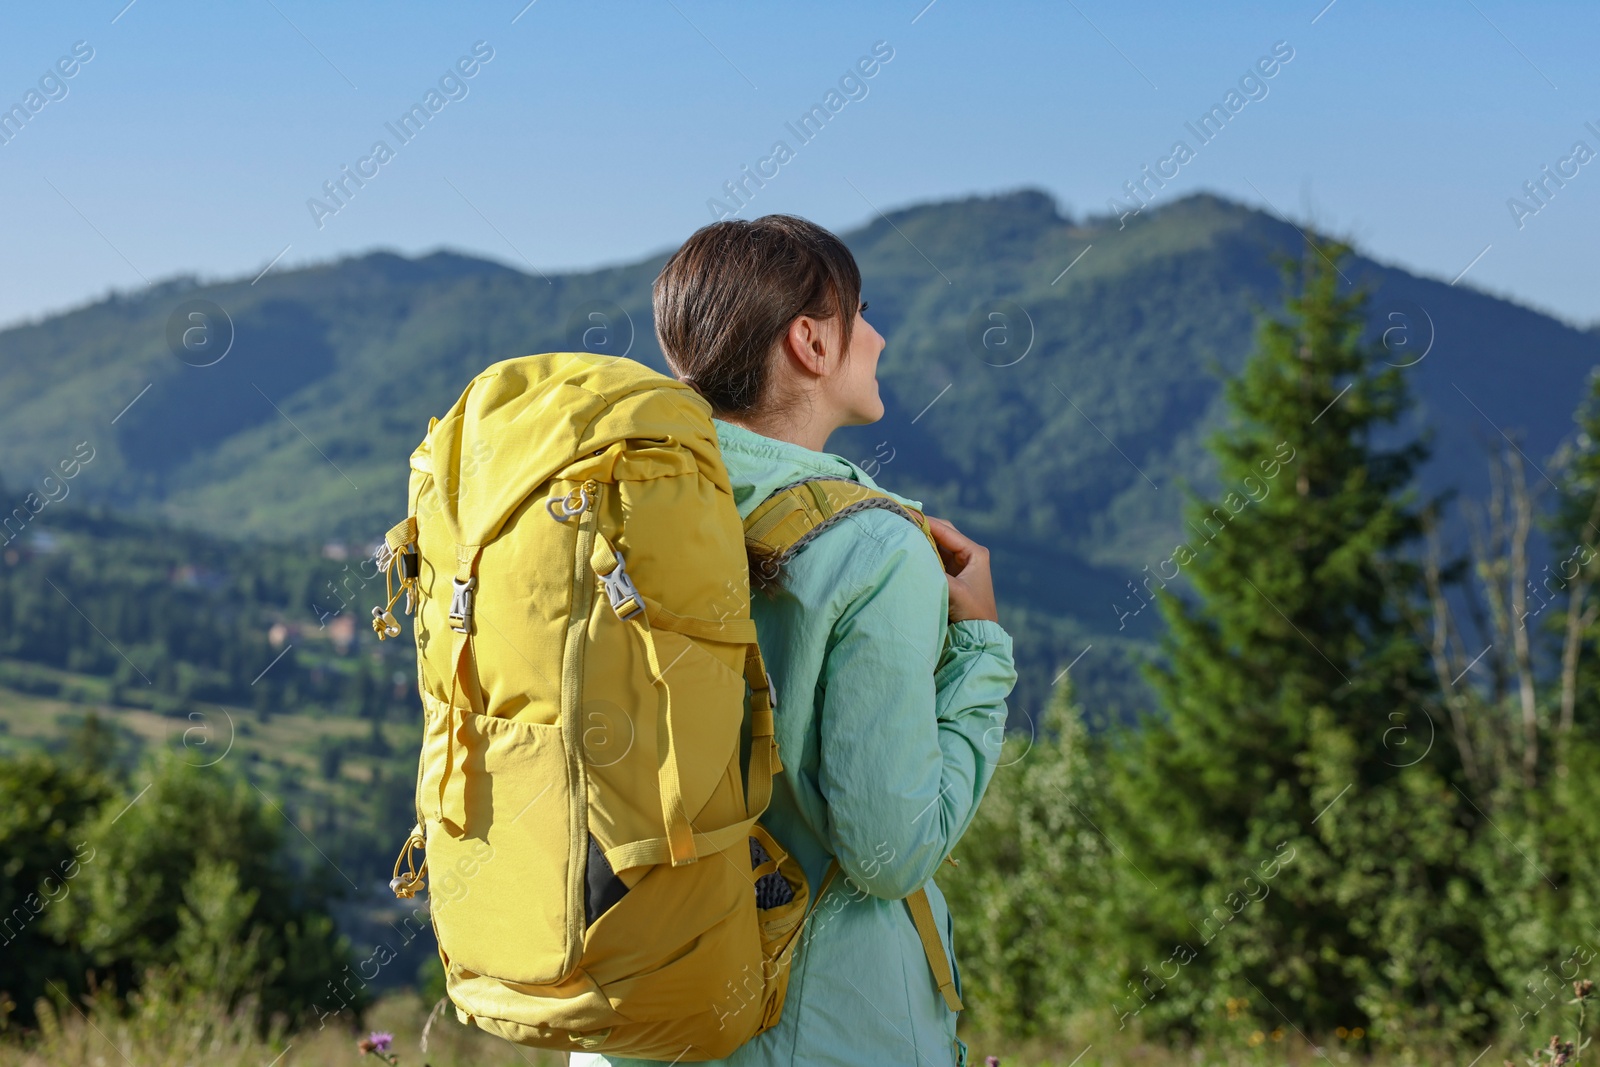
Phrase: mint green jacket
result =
(888, 739)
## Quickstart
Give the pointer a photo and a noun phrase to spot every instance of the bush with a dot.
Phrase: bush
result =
(184, 883)
(1034, 889)
(43, 806)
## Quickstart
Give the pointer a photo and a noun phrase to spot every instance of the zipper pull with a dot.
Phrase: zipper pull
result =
(562, 508)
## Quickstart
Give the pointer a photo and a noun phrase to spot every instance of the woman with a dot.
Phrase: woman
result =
(888, 732)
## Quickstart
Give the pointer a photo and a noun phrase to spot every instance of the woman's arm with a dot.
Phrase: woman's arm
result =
(909, 736)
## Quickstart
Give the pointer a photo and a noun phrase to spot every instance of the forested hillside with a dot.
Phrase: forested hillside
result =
(1048, 381)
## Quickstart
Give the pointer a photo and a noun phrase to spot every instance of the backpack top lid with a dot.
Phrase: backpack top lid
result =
(521, 420)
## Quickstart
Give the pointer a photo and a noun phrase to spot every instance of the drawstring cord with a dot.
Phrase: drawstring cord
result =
(400, 564)
(410, 883)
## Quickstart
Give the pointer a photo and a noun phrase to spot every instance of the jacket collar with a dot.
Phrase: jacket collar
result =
(759, 465)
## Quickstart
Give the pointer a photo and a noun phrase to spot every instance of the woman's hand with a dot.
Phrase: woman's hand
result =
(966, 564)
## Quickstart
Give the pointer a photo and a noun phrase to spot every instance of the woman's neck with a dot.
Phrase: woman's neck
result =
(795, 428)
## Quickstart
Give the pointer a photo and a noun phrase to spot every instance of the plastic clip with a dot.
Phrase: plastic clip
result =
(620, 591)
(384, 624)
(461, 604)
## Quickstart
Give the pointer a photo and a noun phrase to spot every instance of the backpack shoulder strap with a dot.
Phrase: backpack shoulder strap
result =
(783, 524)
(794, 515)
(933, 948)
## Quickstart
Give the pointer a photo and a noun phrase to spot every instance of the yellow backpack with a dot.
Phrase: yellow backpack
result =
(585, 657)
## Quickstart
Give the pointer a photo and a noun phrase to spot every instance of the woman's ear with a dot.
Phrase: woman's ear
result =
(809, 345)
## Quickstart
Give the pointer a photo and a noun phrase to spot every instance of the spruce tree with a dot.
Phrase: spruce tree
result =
(1290, 815)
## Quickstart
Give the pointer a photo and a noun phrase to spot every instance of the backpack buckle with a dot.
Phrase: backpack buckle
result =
(621, 592)
(461, 604)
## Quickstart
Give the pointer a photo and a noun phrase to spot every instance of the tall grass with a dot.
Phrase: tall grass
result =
(165, 1028)
(156, 1029)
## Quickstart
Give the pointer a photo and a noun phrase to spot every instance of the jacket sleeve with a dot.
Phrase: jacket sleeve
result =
(909, 733)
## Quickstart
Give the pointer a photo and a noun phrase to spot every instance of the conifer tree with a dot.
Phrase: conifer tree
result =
(1293, 804)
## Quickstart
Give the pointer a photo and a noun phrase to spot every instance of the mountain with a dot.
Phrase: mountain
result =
(1049, 385)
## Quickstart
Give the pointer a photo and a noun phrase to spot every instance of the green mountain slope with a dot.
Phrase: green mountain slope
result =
(1069, 462)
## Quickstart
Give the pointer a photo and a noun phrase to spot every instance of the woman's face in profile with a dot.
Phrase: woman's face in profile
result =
(855, 386)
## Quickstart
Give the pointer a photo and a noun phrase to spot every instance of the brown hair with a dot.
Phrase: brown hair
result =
(725, 299)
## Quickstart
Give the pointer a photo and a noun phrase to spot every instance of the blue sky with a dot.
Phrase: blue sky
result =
(194, 137)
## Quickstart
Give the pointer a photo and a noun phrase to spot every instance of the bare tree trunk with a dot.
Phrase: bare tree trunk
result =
(1577, 624)
(1489, 727)
(1491, 567)
(1522, 521)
